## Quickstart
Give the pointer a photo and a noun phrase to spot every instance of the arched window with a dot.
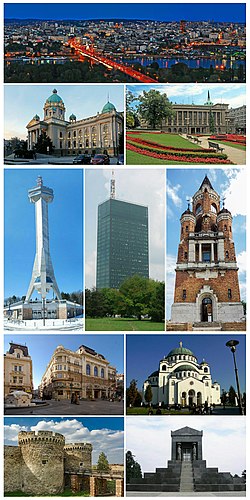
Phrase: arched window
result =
(95, 371)
(213, 208)
(94, 136)
(18, 355)
(102, 373)
(198, 208)
(205, 370)
(164, 368)
(87, 369)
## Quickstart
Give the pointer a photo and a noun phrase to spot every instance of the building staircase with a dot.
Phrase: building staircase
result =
(187, 477)
(207, 326)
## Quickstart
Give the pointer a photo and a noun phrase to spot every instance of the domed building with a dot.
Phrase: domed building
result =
(96, 134)
(181, 379)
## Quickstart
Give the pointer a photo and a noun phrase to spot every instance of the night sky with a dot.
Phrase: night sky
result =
(225, 12)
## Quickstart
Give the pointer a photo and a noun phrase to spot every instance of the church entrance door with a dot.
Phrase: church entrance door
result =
(191, 395)
(187, 455)
(206, 310)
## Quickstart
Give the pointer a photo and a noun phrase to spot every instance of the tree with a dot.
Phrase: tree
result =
(133, 468)
(211, 122)
(154, 107)
(103, 464)
(133, 396)
(231, 396)
(44, 144)
(148, 395)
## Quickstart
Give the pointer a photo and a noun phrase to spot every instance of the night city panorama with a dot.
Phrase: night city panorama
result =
(110, 43)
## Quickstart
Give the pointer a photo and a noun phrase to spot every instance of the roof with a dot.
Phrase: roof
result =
(186, 431)
(206, 182)
(108, 107)
(180, 350)
(154, 374)
(91, 351)
(185, 367)
(23, 348)
(224, 211)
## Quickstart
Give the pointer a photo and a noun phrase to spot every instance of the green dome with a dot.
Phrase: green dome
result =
(54, 97)
(185, 367)
(108, 107)
(72, 117)
(180, 350)
(154, 374)
(36, 117)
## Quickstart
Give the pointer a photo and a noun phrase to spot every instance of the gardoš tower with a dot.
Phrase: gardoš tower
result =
(43, 277)
(207, 291)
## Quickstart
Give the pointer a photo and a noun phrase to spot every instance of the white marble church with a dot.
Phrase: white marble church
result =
(181, 379)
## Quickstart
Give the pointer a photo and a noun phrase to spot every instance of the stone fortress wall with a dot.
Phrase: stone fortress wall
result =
(39, 463)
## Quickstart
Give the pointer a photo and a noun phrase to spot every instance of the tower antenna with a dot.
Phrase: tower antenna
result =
(112, 186)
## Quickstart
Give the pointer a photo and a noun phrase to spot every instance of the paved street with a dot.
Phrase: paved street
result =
(237, 156)
(64, 407)
(51, 160)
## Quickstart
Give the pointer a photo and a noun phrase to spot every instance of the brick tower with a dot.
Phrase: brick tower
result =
(206, 288)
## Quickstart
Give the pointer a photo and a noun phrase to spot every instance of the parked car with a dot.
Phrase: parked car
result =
(100, 160)
(120, 159)
(82, 160)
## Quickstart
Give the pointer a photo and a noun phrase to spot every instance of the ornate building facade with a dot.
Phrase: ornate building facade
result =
(206, 287)
(84, 373)
(18, 374)
(181, 379)
(95, 134)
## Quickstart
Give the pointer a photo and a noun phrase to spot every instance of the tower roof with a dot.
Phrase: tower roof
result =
(206, 182)
(54, 98)
(108, 107)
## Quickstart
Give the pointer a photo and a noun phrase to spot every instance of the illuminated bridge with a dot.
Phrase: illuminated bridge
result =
(94, 56)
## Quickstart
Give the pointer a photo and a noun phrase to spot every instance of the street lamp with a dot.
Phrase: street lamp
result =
(232, 344)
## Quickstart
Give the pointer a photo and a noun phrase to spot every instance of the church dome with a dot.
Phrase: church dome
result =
(224, 211)
(108, 107)
(72, 117)
(180, 350)
(185, 368)
(54, 98)
(36, 117)
(154, 374)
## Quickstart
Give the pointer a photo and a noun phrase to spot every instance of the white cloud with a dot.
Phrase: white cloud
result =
(170, 283)
(242, 262)
(223, 440)
(172, 193)
(109, 441)
(235, 191)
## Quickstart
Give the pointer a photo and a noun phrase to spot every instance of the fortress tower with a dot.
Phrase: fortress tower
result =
(43, 277)
(42, 462)
(78, 456)
(206, 288)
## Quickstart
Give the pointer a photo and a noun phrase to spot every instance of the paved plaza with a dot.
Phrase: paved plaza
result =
(64, 407)
(50, 160)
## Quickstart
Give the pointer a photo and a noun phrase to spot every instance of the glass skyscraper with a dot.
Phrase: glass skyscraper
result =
(122, 242)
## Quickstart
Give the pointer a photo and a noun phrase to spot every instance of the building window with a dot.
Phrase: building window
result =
(163, 368)
(18, 355)
(88, 370)
(198, 208)
(14, 380)
(229, 293)
(61, 135)
(205, 370)
(186, 229)
(227, 254)
(95, 371)
(225, 228)
(184, 294)
(44, 462)
(213, 208)
(20, 368)
(185, 255)
(15, 368)
(102, 373)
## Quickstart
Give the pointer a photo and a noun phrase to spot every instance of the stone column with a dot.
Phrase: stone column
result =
(93, 490)
(212, 252)
(200, 252)
(74, 483)
(191, 251)
(119, 487)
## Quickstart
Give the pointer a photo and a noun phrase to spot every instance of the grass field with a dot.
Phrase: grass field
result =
(232, 144)
(121, 324)
(144, 411)
(167, 140)
(137, 159)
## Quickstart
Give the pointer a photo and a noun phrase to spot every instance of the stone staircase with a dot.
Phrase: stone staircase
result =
(213, 326)
(187, 477)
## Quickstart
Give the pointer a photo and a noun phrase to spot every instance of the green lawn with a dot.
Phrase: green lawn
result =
(232, 144)
(138, 159)
(66, 493)
(144, 411)
(167, 140)
(121, 324)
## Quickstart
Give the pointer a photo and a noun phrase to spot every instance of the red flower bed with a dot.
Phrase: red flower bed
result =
(183, 158)
(168, 148)
(237, 139)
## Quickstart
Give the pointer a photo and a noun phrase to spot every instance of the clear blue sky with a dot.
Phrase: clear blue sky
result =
(65, 227)
(230, 12)
(182, 183)
(144, 354)
(92, 423)
(41, 348)
(82, 100)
